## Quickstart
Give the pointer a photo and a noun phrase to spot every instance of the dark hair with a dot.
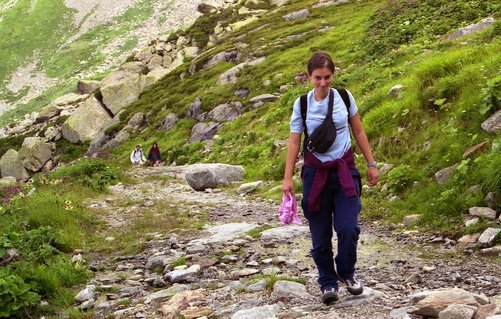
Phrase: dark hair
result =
(320, 60)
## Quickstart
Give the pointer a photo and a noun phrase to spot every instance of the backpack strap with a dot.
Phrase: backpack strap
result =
(303, 102)
(346, 99)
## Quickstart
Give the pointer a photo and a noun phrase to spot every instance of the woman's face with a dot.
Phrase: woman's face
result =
(321, 79)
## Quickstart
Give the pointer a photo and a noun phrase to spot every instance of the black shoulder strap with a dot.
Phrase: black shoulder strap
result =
(303, 102)
(346, 99)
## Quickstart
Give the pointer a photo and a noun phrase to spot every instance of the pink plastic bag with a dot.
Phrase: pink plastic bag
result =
(288, 210)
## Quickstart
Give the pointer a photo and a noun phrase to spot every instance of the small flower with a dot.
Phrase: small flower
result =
(67, 203)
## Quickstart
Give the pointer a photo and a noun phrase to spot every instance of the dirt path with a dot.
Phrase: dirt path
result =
(394, 265)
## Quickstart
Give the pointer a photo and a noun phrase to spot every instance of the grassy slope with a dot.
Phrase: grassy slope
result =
(455, 75)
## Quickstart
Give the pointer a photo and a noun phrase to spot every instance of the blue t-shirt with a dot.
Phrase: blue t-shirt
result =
(315, 114)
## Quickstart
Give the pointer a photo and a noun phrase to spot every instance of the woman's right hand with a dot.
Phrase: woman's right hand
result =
(288, 187)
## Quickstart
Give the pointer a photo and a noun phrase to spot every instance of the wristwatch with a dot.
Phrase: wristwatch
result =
(373, 164)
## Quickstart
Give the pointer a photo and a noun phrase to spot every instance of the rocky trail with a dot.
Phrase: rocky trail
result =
(228, 273)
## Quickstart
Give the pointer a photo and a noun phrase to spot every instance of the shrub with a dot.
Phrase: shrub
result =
(15, 295)
(400, 178)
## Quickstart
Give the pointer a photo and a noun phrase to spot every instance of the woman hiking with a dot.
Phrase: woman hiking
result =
(331, 181)
(154, 155)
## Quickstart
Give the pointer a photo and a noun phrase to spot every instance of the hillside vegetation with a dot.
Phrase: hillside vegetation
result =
(449, 88)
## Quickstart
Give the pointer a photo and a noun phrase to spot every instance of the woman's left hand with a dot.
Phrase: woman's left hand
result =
(372, 176)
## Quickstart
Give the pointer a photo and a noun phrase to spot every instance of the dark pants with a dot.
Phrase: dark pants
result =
(340, 212)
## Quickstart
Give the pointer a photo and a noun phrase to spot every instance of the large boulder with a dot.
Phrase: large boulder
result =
(169, 121)
(203, 131)
(34, 153)
(87, 86)
(101, 138)
(121, 88)
(155, 75)
(70, 98)
(493, 123)
(48, 112)
(223, 113)
(86, 122)
(472, 28)
(203, 176)
(10, 165)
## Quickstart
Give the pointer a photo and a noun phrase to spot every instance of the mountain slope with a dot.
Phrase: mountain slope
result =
(46, 46)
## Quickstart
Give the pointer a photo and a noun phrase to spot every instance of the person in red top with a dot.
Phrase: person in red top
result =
(154, 155)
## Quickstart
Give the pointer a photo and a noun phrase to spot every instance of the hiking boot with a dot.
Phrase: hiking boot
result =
(329, 295)
(353, 285)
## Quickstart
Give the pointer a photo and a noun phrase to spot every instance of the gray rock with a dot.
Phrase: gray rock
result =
(231, 75)
(396, 90)
(492, 251)
(165, 294)
(156, 261)
(136, 120)
(444, 175)
(285, 233)
(86, 294)
(121, 88)
(493, 200)
(155, 75)
(195, 109)
(87, 86)
(435, 303)
(278, 3)
(156, 62)
(202, 176)
(119, 139)
(410, 219)
(223, 113)
(86, 122)
(457, 311)
(369, 295)
(249, 187)
(48, 112)
(242, 93)
(169, 121)
(493, 123)
(101, 138)
(186, 275)
(204, 131)
(258, 286)
(488, 236)
(223, 233)
(263, 312)
(296, 15)
(70, 98)
(88, 304)
(471, 222)
(11, 165)
(472, 28)
(283, 288)
(34, 153)
(215, 60)
(264, 98)
(53, 133)
(487, 311)
(485, 212)
(469, 239)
